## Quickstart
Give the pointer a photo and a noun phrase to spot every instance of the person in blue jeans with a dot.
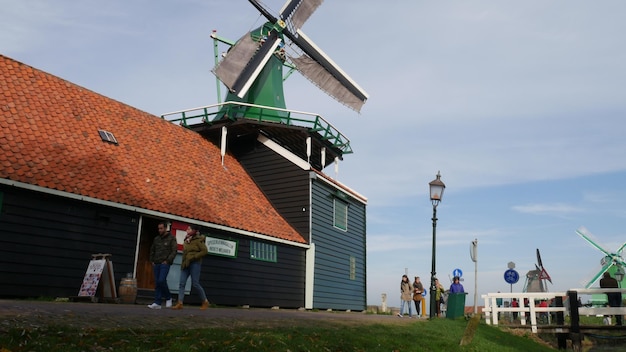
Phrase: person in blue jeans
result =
(406, 296)
(162, 254)
(194, 249)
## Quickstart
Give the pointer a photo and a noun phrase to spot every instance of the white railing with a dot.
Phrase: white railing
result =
(492, 310)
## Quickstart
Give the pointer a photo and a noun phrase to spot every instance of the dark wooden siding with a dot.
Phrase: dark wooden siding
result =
(333, 288)
(47, 242)
(230, 281)
(285, 184)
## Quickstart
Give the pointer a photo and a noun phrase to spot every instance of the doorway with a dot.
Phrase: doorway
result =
(145, 274)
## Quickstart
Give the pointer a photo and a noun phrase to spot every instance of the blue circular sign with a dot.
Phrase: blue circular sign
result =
(457, 272)
(511, 276)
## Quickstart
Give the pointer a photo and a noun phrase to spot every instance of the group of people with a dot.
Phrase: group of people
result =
(414, 293)
(162, 253)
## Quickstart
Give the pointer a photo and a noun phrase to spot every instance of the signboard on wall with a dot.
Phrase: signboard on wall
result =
(215, 245)
(219, 246)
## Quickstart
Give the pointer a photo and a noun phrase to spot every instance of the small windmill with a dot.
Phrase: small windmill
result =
(536, 279)
(252, 68)
(610, 261)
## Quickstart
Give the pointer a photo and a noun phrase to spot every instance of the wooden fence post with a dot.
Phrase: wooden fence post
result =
(575, 335)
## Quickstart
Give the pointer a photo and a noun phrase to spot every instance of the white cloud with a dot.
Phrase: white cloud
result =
(548, 209)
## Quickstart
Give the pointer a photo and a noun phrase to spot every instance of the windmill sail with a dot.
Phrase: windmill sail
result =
(609, 258)
(245, 62)
(236, 60)
(543, 274)
(324, 80)
(302, 12)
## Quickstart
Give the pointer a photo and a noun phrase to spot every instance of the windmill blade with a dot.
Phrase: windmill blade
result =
(544, 273)
(229, 69)
(585, 234)
(245, 61)
(599, 273)
(263, 11)
(621, 248)
(256, 65)
(298, 11)
(324, 73)
(539, 259)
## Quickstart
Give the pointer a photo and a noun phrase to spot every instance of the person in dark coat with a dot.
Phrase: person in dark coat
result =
(614, 298)
(162, 254)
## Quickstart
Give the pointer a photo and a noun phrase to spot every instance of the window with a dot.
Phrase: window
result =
(340, 214)
(107, 136)
(263, 251)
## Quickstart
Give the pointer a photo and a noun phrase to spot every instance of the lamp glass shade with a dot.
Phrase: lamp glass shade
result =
(436, 188)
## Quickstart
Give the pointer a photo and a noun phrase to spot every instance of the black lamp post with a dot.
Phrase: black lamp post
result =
(436, 193)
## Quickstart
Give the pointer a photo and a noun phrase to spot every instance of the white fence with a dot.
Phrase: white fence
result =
(492, 310)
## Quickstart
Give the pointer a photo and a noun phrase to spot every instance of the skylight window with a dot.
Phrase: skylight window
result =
(107, 136)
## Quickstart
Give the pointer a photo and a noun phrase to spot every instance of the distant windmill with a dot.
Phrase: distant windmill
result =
(609, 259)
(252, 68)
(536, 279)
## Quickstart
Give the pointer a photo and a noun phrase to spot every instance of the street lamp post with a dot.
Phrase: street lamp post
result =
(436, 192)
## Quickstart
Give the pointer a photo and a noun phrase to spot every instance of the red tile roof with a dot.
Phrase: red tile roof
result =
(49, 138)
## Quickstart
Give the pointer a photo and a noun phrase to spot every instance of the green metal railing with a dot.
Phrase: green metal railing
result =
(236, 110)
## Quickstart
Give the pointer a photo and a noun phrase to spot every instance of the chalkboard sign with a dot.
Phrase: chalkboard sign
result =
(99, 280)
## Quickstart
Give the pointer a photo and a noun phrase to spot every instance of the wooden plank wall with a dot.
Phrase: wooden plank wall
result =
(233, 282)
(47, 242)
(333, 288)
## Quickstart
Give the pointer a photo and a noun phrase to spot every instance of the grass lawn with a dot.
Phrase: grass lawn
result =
(421, 335)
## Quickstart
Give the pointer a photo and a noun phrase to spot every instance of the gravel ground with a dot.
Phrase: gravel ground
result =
(36, 314)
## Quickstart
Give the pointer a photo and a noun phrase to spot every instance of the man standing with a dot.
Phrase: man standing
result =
(614, 298)
(162, 254)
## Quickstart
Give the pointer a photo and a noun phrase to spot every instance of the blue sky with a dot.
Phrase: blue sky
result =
(520, 105)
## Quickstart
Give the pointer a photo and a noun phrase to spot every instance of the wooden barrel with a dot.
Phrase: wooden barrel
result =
(128, 290)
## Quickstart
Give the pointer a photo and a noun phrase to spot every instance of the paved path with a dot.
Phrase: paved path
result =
(34, 314)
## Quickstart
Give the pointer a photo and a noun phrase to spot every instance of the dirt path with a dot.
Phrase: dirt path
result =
(34, 314)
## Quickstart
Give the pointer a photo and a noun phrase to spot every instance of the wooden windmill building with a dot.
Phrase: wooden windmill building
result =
(81, 173)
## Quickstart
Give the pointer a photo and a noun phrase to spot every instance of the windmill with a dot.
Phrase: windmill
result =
(612, 261)
(536, 279)
(252, 68)
(252, 71)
